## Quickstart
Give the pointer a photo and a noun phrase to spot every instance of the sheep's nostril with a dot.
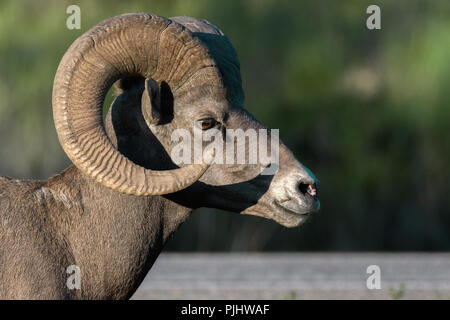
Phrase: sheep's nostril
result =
(303, 187)
(306, 188)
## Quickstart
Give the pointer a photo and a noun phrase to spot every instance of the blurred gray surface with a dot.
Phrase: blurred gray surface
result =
(296, 276)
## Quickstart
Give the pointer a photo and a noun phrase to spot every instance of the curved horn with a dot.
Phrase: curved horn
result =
(130, 44)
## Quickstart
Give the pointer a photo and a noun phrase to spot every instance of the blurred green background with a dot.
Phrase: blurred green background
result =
(366, 111)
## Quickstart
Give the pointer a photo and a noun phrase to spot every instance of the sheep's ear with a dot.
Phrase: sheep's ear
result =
(151, 102)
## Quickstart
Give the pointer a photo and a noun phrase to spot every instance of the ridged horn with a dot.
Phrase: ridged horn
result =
(131, 44)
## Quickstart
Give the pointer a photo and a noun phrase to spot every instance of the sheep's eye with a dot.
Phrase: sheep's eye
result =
(206, 124)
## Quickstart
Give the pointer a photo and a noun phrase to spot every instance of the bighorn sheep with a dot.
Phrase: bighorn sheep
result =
(111, 213)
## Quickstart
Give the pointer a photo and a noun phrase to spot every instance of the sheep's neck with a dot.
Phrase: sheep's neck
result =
(114, 238)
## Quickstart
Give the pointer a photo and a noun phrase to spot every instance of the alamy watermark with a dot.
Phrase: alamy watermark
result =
(373, 22)
(74, 280)
(238, 147)
(374, 280)
(74, 20)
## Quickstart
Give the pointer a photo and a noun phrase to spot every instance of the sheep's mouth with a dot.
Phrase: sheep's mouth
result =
(295, 211)
(282, 213)
(305, 205)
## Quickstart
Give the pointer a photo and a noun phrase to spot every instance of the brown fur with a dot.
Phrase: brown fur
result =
(70, 220)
